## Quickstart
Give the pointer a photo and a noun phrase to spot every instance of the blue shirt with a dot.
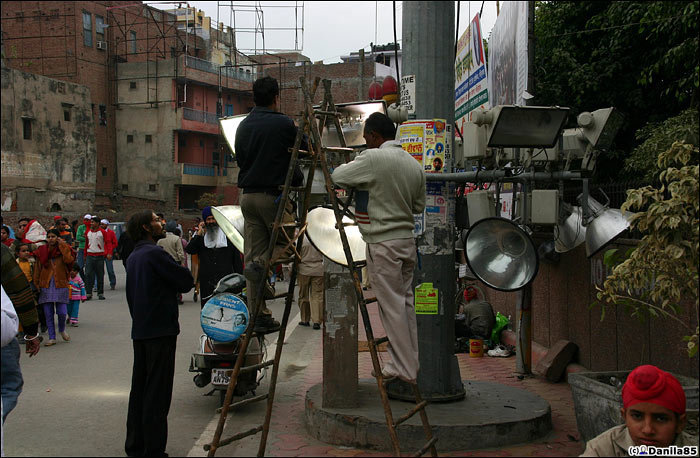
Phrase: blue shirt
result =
(153, 280)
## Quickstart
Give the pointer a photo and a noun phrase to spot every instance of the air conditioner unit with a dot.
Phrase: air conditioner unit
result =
(102, 45)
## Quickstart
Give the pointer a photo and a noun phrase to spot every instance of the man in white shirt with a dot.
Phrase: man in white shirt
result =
(98, 247)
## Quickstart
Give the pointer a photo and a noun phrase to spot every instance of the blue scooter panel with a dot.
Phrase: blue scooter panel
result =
(224, 317)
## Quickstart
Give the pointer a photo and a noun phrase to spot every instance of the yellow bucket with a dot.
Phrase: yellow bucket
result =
(476, 348)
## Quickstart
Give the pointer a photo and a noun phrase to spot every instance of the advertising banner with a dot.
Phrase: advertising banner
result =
(507, 70)
(428, 141)
(471, 88)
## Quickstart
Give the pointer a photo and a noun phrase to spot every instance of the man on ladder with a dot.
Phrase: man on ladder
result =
(390, 189)
(263, 142)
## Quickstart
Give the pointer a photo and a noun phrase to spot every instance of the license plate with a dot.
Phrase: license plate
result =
(221, 377)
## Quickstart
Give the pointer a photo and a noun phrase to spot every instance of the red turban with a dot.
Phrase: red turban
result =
(651, 384)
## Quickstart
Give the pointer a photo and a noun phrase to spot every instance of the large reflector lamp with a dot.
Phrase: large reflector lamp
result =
(324, 235)
(501, 254)
(511, 126)
(603, 225)
(229, 126)
(230, 220)
(571, 232)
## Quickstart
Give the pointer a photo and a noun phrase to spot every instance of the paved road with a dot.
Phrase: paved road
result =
(75, 395)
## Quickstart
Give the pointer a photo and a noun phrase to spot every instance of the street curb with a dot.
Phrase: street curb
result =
(538, 352)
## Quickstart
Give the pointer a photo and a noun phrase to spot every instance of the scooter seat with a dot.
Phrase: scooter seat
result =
(220, 347)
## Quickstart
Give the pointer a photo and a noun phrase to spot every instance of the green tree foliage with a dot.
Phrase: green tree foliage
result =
(640, 57)
(662, 271)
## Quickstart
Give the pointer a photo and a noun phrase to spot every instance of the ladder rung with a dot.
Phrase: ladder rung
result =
(294, 224)
(426, 447)
(280, 296)
(236, 437)
(411, 413)
(244, 402)
(381, 340)
(301, 151)
(338, 149)
(360, 263)
(257, 366)
(369, 300)
(327, 113)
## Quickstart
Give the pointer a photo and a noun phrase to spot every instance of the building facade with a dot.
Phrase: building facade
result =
(49, 152)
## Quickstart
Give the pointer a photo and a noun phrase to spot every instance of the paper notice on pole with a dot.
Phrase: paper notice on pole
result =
(426, 299)
(411, 137)
(408, 93)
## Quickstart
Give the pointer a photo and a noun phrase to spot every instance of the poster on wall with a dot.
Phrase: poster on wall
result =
(471, 83)
(507, 68)
(428, 141)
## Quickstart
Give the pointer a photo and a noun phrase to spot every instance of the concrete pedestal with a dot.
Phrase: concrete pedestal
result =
(490, 415)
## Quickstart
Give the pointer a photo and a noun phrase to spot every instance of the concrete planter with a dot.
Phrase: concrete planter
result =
(597, 402)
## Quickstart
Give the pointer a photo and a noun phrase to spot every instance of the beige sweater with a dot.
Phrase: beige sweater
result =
(390, 190)
(617, 440)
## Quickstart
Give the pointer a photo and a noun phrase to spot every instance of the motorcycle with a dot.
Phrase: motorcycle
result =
(224, 320)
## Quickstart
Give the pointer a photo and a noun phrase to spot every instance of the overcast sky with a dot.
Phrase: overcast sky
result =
(331, 29)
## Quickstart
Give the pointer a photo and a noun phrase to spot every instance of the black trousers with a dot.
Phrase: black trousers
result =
(151, 393)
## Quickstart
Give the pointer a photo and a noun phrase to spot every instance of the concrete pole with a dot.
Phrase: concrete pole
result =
(429, 54)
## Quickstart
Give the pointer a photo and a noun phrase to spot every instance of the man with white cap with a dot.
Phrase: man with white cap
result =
(80, 237)
(98, 247)
(104, 224)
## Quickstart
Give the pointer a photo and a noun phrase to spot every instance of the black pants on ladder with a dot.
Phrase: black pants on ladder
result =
(151, 393)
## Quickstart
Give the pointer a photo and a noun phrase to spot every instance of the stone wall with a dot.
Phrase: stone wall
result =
(55, 167)
(564, 307)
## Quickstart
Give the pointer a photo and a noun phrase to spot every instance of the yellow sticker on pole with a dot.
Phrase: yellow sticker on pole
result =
(426, 299)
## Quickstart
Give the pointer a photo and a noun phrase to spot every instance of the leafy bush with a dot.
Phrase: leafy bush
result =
(662, 270)
(210, 199)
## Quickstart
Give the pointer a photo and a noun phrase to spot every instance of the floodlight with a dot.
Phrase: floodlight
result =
(324, 235)
(352, 119)
(603, 225)
(501, 254)
(230, 220)
(229, 127)
(522, 127)
(600, 126)
(570, 232)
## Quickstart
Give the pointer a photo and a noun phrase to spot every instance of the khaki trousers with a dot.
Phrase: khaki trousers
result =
(311, 298)
(390, 265)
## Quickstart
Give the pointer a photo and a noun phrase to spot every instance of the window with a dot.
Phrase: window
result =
(100, 28)
(173, 51)
(104, 171)
(132, 84)
(125, 187)
(152, 187)
(133, 42)
(87, 29)
(103, 115)
(201, 143)
(182, 141)
(229, 109)
(27, 128)
(130, 139)
(66, 115)
(149, 139)
(215, 158)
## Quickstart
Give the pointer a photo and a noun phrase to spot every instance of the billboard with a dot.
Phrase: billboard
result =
(471, 88)
(507, 70)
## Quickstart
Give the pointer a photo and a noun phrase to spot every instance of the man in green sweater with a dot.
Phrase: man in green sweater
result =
(390, 190)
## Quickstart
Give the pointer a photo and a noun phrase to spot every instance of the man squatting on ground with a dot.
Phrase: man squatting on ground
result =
(263, 142)
(153, 281)
(390, 189)
(653, 407)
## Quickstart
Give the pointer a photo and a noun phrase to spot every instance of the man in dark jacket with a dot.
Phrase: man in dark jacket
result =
(152, 283)
(262, 145)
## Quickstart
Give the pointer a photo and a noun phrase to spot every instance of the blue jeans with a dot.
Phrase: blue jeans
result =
(110, 272)
(81, 258)
(11, 377)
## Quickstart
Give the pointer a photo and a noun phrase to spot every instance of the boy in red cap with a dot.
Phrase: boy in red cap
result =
(654, 413)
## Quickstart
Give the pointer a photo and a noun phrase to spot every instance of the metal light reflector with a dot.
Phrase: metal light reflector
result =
(501, 254)
(324, 235)
(230, 220)
(229, 126)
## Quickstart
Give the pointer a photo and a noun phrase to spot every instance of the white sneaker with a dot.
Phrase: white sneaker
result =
(499, 351)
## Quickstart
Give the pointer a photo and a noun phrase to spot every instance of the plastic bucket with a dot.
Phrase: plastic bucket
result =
(476, 348)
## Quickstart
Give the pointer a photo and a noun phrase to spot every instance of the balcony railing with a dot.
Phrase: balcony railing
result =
(199, 170)
(209, 67)
(200, 116)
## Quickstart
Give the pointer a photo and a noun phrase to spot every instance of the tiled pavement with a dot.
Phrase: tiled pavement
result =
(288, 435)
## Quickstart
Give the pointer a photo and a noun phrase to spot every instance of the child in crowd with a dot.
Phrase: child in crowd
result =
(77, 294)
(27, 262)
